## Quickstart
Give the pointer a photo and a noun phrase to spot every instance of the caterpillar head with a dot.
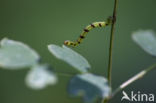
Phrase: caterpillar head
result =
(67, 42)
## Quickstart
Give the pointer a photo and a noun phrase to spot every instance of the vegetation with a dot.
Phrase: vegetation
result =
(92, 87)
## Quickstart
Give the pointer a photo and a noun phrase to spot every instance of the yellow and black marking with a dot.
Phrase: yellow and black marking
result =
(86, 30)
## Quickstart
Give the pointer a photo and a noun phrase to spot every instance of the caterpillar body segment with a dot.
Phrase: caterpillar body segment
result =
(86, 30)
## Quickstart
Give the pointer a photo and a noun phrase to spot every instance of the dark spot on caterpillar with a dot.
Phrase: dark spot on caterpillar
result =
(72, 43)
(100, 25)
(106, 24)
(92, 25)
(86, 30)
(81, 36)
(78, 42)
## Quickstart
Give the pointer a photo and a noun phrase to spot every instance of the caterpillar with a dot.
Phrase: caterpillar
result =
(86, 30)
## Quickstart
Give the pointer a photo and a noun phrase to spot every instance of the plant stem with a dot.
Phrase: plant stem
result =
(133, 79)
(65, 74)
(111, 42)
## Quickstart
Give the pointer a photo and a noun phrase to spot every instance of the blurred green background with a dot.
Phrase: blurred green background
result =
(42, 22)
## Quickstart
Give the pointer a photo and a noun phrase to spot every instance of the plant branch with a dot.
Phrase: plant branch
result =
(64, 74)
(133, 79)
(111, 41)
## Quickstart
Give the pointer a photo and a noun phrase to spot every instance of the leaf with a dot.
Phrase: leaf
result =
(90, 86)
(15, 55)
(71, 57)
(40, 77)
(146, 39)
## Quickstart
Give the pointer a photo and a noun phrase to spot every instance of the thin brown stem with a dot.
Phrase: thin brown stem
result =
(111, 46)
(65, 74)
(111, 42)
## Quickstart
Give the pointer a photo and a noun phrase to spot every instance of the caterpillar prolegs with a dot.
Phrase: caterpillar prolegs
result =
(86, 30)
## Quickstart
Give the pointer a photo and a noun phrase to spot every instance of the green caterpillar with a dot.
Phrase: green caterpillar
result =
(86, 30)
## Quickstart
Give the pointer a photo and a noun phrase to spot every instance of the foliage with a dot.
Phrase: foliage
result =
(17, 55)
(146, 39)
(92, 87)
(40, 76)
(14, 55)
(71, 57)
